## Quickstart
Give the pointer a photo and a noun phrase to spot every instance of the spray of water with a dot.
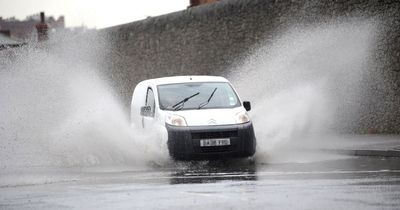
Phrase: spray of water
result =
(56, 111)
(305, 85)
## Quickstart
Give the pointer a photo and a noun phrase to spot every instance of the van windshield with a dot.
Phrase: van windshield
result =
(198, 95)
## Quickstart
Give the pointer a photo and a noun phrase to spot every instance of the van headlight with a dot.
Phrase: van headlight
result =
(242, 117)
(175, 120)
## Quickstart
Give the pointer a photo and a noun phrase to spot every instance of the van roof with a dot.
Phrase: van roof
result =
(184, 79)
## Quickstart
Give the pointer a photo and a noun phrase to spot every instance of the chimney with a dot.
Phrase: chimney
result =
(42, 19)
(42, 28)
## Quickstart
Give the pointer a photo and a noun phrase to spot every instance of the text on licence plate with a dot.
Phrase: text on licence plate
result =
(214, 142)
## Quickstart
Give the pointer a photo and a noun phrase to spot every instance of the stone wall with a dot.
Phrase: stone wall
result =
(210, 39)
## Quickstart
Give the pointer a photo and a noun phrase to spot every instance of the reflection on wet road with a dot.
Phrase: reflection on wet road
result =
(214, 171)
(350, 183)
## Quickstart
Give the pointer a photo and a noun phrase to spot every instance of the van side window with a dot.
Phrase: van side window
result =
(150, 100)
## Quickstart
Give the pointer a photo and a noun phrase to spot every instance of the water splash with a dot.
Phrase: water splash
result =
(306, 84)
(57, 111)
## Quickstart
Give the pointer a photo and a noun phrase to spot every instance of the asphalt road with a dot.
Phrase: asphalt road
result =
(341, 183)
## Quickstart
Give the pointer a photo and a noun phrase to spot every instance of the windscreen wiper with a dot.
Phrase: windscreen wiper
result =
(209, 99)
(182, 103)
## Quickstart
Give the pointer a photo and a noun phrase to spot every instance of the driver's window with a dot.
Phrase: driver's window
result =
(150, 101)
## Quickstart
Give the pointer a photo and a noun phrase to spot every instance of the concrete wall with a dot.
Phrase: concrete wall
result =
(209, 39)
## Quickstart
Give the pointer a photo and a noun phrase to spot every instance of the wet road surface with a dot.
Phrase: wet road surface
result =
(344, 183)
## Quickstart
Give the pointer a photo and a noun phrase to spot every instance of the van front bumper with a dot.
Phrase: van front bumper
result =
(184, 142)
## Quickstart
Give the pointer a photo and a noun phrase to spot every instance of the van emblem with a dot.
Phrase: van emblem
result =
(212, 122)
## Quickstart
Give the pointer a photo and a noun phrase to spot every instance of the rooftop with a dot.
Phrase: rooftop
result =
(5, 40)
(185, 79)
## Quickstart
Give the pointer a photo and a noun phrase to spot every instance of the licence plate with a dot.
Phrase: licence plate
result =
(214, 142)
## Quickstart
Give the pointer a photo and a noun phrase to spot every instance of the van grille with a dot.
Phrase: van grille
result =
(214, 135)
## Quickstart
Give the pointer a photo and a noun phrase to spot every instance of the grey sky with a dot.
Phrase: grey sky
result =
(92, 13)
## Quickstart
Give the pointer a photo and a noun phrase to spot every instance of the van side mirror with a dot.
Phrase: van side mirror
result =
(247, 105)
(145, 111)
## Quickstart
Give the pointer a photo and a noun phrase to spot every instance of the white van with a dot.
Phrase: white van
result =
(198, 117)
